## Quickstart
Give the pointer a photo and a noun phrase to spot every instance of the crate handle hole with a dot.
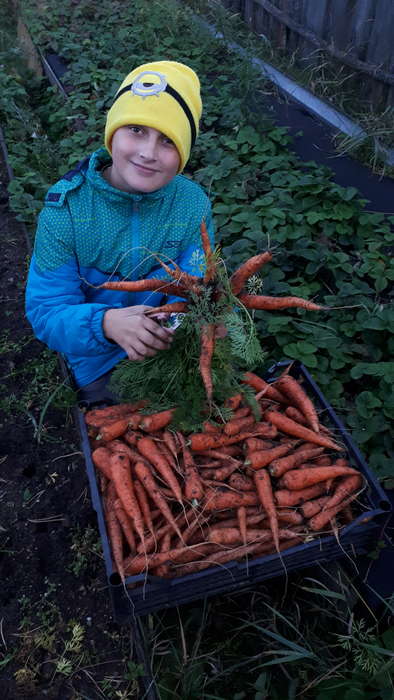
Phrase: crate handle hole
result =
(385, 505)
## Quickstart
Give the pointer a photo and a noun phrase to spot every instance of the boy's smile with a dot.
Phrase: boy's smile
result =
(143, 159)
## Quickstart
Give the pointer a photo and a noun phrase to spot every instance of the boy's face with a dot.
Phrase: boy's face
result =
(143, 159)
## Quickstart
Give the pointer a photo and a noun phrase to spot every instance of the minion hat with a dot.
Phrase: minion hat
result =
(164, 95)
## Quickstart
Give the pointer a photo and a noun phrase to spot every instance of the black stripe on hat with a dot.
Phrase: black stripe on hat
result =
(175, 94)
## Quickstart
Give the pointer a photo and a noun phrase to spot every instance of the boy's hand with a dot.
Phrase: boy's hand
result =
(140, 336)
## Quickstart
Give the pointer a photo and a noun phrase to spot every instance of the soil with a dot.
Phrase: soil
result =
(51, 569)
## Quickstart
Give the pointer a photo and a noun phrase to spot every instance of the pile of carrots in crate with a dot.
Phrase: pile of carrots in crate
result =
(246, 487)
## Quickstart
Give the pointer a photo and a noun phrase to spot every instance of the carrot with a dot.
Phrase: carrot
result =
(302, 478)
(241, 482)
(236, 425)
(267, 303)
(188, 281)
(209, 259)
(222, 557)
(319, 521)
(265, 429)
(264, 489)
(344, 488)
(261, 458)
(233, 402)
(200, 442)
(290, 427)
(125, 524)
(193, 486)
(207, 349)
(121, 477)
(145, 476)
(239, 278)
(98, 416)
(139, 563)
(101, 460)
(120, 446)
(169, 441)
(156, 421)
(224, 452)
(221, 498)
(131, 437)
(260, 385)
(232, 536)
(144, 505)
(311, 508)
(284, 464)
(114, 531)
(286, 498)
(289, 386)
(252, 444)
(115, 429)
(177, 307)
(296, 415)
(147, 447)
(209, 427)
(153, 284)
(222, 473)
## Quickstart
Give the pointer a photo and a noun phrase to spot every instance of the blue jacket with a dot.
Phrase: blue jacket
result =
(89, 232)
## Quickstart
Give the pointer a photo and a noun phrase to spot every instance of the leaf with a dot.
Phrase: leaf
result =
(382, 369)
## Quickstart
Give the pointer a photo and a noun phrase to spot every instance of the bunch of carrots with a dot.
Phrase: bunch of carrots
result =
(222, 291)
(242, 487)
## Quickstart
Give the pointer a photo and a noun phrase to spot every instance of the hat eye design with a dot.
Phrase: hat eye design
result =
(148, 86)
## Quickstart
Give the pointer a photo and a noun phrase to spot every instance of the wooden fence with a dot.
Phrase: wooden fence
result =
(357, 34)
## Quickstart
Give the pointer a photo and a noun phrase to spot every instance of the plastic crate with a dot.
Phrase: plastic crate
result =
(146, 593)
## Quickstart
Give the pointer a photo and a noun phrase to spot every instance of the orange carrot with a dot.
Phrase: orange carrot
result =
(209, 427)
(145, 476)
(169, 440)
(286, 498)
(267, 303)
(236, 425)
(344, 488)
(260, 385)
(290, 427)
(125, 523)
(233, 402)
(209, 259)
(99, 416)
(264, 489)
(144, 505)
(115, 429)
(239, 278)
(252, 444)
(200, 442)
(148, 448)
(177, 307)
(219, 558)
(284, 464)
(222, 473)
(156, 421)
(232, 536)
(101, 460)
(193, 487)
(261, 458)
(221, 498)
(153, 284)
(241, 482)
(319, 521)
(138, 564)
(289, 386)
(303, 478)
(311, 508)
(114, 531)
(206, 355)
(121, 477)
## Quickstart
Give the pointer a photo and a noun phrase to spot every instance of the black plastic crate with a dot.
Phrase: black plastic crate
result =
(146, 593)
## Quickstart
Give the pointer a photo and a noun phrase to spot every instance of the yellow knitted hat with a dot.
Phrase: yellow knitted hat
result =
(164, 95)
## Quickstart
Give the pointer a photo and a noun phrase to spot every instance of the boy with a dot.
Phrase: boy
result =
(111, 218)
